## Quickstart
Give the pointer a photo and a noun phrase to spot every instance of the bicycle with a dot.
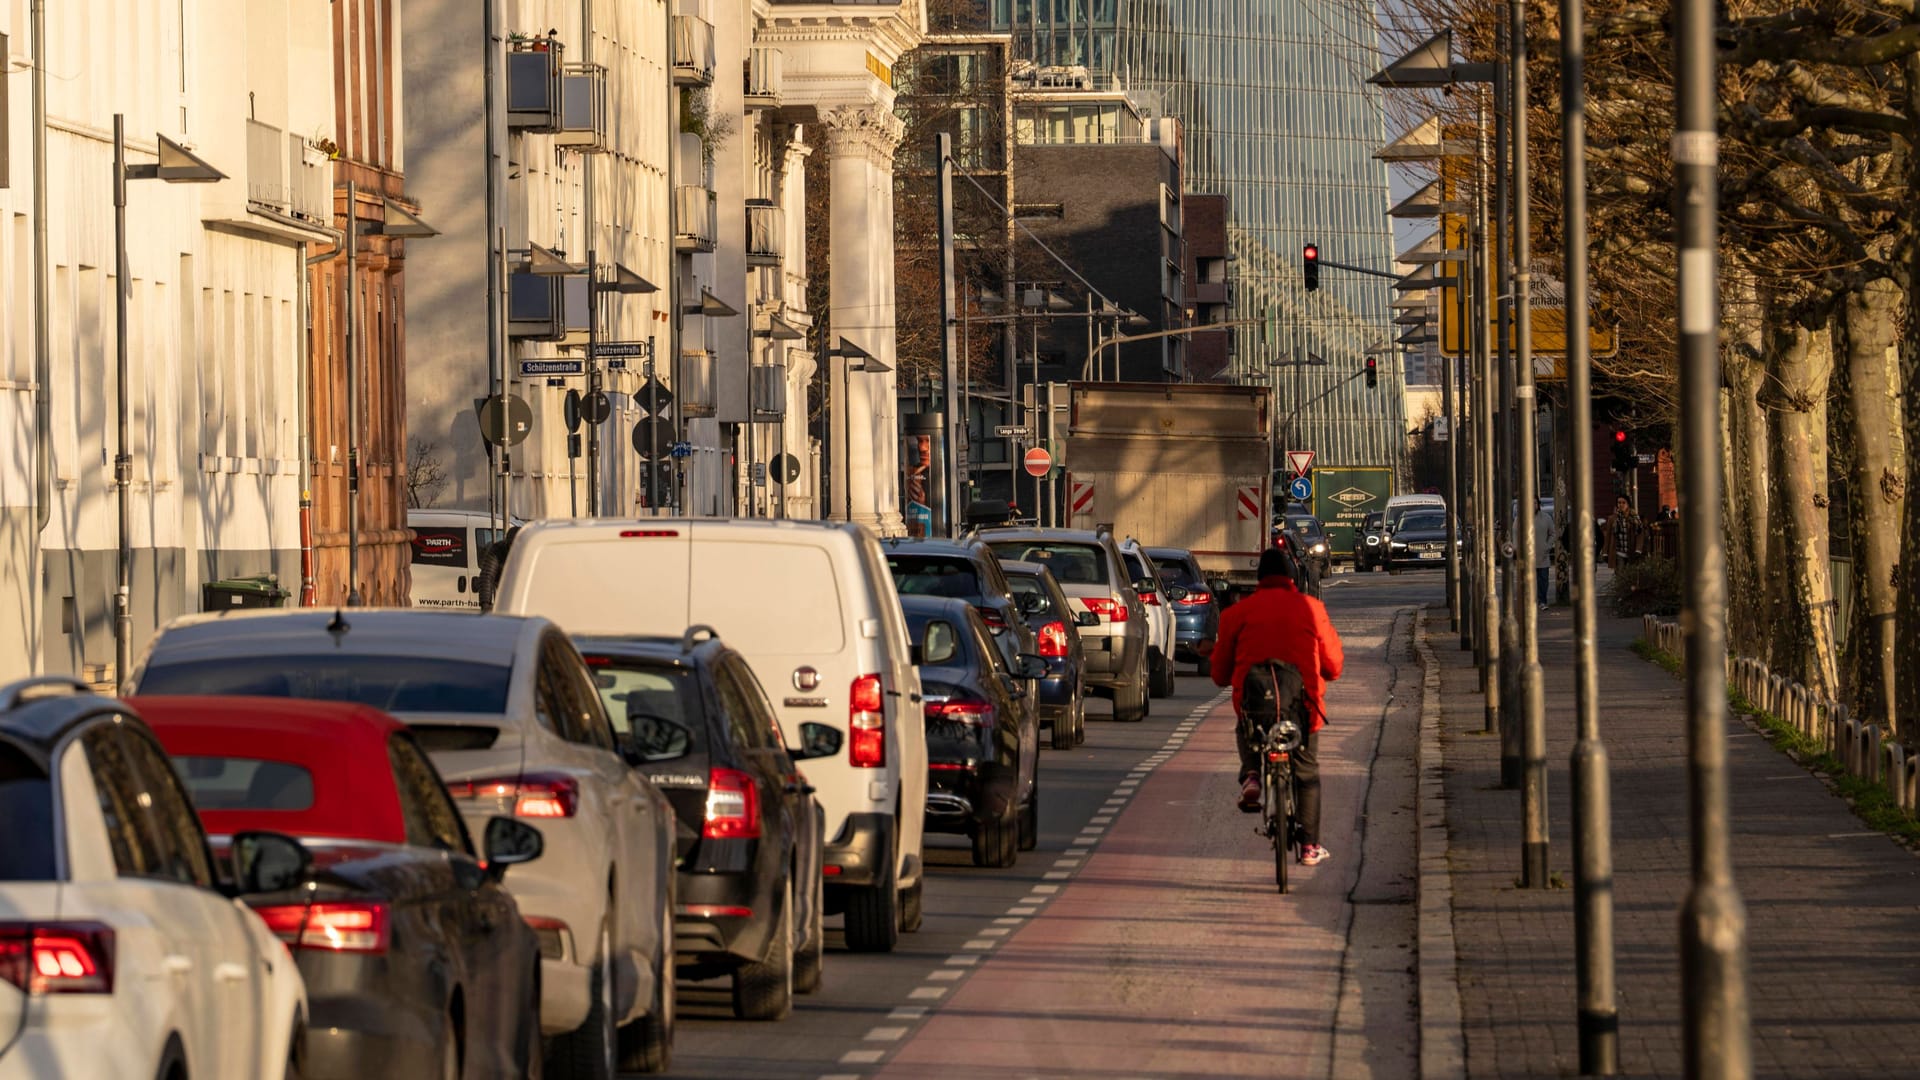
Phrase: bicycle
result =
(1278, 793)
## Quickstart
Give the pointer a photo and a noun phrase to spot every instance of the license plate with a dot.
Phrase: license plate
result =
(1432, 554)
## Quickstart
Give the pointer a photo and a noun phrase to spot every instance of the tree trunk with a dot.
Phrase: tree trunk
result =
(1747, 465)
(1800, 364)
(1869, 326)
(1906, 575)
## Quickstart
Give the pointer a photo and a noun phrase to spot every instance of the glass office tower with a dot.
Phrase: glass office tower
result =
(1278, 117)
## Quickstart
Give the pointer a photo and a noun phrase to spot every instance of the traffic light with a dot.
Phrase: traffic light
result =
(1624, 458)
(1373, 378)
(1310, 268)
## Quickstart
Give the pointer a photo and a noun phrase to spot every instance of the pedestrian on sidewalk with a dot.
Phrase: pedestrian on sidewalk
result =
(1625, 538)
(1542, 553)
(1279, 622)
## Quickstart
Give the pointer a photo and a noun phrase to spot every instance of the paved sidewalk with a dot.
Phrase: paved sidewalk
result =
(1833, 910)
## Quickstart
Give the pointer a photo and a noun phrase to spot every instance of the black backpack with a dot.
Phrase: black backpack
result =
(1272, 689)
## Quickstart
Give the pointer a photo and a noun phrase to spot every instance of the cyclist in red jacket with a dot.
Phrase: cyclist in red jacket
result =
(1279, 622)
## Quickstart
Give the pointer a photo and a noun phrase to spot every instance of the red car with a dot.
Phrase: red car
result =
(416, 960)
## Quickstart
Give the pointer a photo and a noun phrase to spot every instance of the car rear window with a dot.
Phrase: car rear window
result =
(231, 783)
(1136, 566)
(1072, 564)
(26, 805)
(637, 691)
(934, 575)
(1179, 573)
(396, 684)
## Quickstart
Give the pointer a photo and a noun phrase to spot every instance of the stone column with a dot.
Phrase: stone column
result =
(860, 144)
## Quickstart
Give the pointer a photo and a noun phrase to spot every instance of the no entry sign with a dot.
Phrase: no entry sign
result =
(1039, 461)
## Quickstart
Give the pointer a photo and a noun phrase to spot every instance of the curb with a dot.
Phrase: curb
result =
(1442, 1032)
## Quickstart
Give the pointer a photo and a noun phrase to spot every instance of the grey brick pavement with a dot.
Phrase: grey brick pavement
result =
(1834, 915)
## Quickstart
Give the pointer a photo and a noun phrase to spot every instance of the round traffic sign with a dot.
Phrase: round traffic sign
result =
(786, 469)
(1301, 489)
(1038, 461)
(652, 439)
(507, 425)
(572, 410)
(595, 408)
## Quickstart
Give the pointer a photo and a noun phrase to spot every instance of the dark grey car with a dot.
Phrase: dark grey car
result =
(1057, 627)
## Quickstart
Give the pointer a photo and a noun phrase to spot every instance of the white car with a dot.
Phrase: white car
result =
(446, 547)
(509, 714)
(1160, 620)
(813, 609)
(121, 954)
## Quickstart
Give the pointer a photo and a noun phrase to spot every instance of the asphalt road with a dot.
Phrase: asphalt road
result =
(1144, 937)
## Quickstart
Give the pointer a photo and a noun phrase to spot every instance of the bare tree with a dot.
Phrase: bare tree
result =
(426, 473)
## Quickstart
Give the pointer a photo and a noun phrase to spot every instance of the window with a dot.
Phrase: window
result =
(1072, 564)
(233, 783)
(26, 805)
(1024, 586)
(424, 804)
(572, 700)
(941, 645)
(634, 690)
(137, 849)
(184, 843)
(743, 721)
(923, 575)
(395, 684)
(756, 696)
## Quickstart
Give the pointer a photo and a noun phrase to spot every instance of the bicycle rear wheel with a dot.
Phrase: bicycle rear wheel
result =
(1279, 828)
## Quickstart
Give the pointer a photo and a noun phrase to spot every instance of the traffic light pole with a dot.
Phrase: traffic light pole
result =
(1359, 270)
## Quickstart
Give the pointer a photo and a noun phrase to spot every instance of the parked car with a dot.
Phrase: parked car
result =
(749, 836)
(122, 954)
(1056, 627)
(446, 556)
(416, 960)
(1369, 550)
(1196, 615)
(1088, 566)
(1419, 540)
(982, 746)
(1310, 542)
(812, 608)
(507, 711)
(1156, 596)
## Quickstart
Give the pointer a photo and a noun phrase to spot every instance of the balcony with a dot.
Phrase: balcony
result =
(534, 85)
(695, 219)
(583, 109)
(766, 232)
(287, 176)
(692, 50)
(1210, 292)
(536, 307)
(765, 77)
(696, 384)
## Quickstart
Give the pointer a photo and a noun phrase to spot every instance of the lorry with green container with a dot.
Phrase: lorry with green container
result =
(1343, 496)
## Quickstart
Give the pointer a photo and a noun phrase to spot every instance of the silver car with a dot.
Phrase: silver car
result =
(1092, 573)
(507, 710)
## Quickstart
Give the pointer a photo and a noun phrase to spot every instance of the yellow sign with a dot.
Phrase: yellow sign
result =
(880, 69)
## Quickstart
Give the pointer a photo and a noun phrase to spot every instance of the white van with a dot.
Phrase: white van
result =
(1399, 505)
(813, 609)
(446, 556)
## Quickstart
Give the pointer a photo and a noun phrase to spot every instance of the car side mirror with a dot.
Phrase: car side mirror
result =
(654, 739)
(510, 842)
(816, 741)
(1031, 667)
(1086, 618)
(1176, 592)
(1219, 585)
(1144, 585)
(269, 862)
(1032, 604)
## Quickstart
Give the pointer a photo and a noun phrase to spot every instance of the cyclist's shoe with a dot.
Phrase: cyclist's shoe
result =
(1314, 855)
(1250, 795)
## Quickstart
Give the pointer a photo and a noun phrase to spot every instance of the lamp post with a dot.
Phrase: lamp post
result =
(777, 331)
(399, 223)
(622, 282)
(849, 352)
(177, 165)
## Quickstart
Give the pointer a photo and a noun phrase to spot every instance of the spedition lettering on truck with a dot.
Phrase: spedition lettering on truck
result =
(1343, 496)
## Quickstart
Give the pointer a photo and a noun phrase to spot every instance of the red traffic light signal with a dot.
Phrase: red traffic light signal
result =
(1619, 436)
(1310, 266)
(1372, 376)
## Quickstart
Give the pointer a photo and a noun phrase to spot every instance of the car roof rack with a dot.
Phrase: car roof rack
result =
(691, 638)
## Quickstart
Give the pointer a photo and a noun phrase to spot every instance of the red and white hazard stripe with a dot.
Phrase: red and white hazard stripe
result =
(1249, 503)
(1081, 499)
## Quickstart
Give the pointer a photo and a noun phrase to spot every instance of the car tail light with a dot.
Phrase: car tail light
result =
(648, 534)
(57, 958)
(733, 806)
(992, 618)
(1107, 607)
(342, 927)
(1053, 639)
(1197, 598)
(1151, 599)
(978, 713)
(535, 795)
(553, 935)
(867, 724)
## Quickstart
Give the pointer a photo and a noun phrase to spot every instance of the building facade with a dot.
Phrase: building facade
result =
(216, 311)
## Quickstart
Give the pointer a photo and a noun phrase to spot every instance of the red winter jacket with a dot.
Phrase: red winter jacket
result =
(1279, 622)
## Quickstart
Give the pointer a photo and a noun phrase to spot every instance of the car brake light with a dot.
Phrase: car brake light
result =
(356, 927)
(535, 795)
(979, 713)
(1197, 598)
(1151, 599)
(867, 724)
(992, 618)
(648, 534)
(733, 806)
(1053, 639)
(1107, 607)
(57, 958)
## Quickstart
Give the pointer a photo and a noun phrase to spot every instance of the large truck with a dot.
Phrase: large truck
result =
(1175, 465)
(1343, 496)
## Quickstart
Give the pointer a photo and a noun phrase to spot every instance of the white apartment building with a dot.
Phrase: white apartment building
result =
(215, 313)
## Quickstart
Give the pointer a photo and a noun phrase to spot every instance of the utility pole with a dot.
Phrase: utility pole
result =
(1713, 921)
(592, 228)
(1504, 488)
(352, 291)
(1598, 1017)
(1486, 559)
(949, 355)
(1533, 704)
(496, 266)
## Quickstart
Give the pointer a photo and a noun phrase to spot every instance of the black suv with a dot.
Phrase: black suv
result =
(749, 830)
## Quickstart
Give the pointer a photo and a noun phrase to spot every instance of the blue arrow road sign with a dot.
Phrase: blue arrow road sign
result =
(1301, 489)
(682, 449)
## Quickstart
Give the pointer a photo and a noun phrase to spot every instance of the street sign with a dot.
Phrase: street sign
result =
(786, 469)
(682, 450)
(653, 395)
(1301, 489)
(595, 408)
(1440, 429)
(508, 424)
(759, 474)
(571, 410)
(1012, 431)
(622, 350)
(534, 368)
(1300, 461)
(652, 439)
(1038, 461)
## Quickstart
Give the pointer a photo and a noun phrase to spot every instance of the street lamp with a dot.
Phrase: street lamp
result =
(620, 281)
(850, 352)
(176, 165)
(398, 222)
